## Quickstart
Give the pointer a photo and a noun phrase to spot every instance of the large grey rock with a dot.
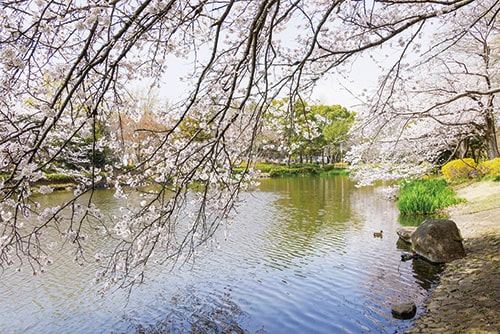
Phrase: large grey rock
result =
(438, 241)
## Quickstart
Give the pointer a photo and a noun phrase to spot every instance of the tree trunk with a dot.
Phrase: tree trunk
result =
(490, 132)
(492, 144)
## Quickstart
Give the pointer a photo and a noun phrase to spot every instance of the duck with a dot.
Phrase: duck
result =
(378, 234)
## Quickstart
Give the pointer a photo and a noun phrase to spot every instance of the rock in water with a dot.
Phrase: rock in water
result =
(404, 233)
(408, 256)
(438, 241)
(406, 310)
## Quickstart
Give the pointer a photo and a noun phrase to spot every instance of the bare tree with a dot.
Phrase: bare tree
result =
(67, 66)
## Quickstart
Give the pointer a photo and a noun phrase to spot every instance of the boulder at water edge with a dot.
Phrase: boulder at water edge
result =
(438, 241)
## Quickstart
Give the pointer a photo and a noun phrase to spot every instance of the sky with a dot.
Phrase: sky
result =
(360, 79)
(348, 92)
(332, 89)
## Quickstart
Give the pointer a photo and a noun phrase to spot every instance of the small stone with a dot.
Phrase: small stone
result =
(474, 174)
(405, 310)
(404, 233)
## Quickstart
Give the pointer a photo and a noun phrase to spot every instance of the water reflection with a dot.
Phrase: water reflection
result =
(194, 312)
(426, 274)
(310, 217)
(301, 257)
(416, 220)
(312, 199)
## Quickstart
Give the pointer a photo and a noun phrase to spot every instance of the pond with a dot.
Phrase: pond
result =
(301, 258)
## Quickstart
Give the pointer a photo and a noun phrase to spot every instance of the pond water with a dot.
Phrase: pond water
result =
(301, 258)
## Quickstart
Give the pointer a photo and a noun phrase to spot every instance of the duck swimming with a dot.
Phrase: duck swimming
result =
(378, 234)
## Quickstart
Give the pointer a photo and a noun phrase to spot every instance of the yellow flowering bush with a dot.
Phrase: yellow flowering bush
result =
(490, 167)
(459, 168)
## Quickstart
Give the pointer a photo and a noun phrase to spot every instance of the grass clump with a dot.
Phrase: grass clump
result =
(425, 196)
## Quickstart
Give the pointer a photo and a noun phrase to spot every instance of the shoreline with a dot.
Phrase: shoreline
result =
(467, 297)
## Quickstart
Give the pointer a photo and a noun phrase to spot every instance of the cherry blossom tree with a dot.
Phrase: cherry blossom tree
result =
(68, 66)
(435, 103)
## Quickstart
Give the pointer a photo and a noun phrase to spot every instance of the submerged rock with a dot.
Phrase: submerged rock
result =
(405, 310)
(408, 256)
(438, 241)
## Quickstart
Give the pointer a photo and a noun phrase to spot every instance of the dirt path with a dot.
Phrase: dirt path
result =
(467, 300)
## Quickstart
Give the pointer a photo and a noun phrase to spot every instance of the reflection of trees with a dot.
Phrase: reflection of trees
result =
(320, 199)
(190, 312)
(311, 216)
(416, 220)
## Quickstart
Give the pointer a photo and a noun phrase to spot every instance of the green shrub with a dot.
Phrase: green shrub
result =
(310, 170)
(265, 167)
(294, 170)
(490, 167)
(279, 171)
(425, 196)
(328, 167)
(457, 169)
(341, 165)
(58, 177)
(335, 172)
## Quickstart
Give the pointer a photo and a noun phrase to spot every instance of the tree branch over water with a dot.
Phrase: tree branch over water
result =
(67, 71)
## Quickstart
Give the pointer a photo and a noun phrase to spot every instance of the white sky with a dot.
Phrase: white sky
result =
(361, 79)
(330, 90)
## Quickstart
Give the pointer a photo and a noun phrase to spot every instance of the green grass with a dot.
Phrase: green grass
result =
(425, 196)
